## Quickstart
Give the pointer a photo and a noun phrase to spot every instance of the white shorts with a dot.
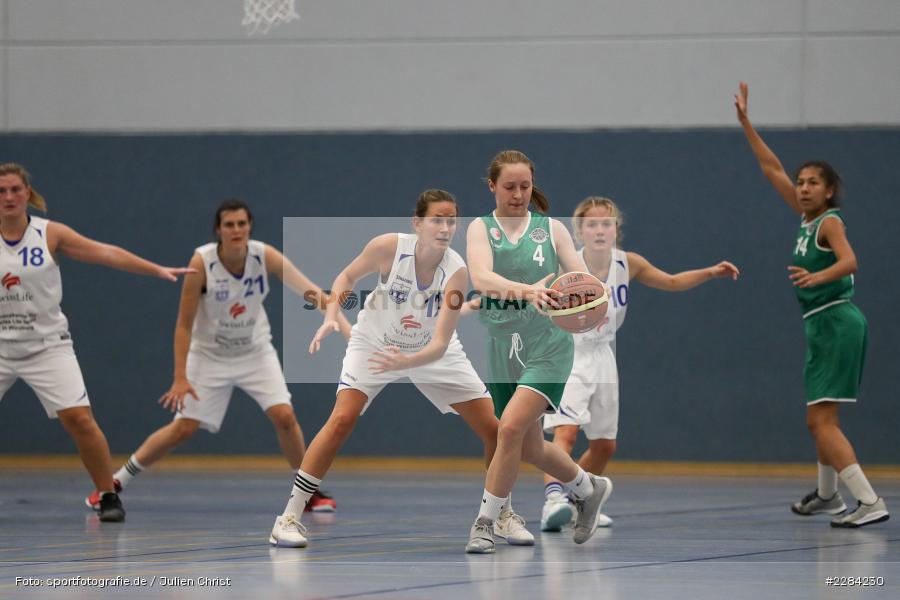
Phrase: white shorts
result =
(53, 374)
(449, 380)
(591, 397)
(214, 378)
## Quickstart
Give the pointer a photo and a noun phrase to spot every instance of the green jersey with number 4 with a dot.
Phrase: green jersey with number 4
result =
(529, 260)
(809, 255)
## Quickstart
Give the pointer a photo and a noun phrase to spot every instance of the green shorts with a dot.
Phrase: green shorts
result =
(539, 358)
(836, 341)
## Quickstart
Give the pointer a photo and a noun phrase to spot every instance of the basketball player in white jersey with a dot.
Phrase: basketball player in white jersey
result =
(223, 340)
(407, 328)
(35, 344)
(590, 401)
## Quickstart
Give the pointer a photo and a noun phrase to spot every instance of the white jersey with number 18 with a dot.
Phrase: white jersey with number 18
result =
(31, 318)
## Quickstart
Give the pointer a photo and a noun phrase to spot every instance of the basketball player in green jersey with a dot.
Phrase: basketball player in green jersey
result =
(512, 255)
(836, 330)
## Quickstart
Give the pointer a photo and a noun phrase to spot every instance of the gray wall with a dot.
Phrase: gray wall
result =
(712, 374)
(430, 64)
(627, 99)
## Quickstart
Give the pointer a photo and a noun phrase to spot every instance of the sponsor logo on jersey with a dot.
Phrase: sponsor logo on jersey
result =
(495, 233)
(237, 309)
(539, 235)
(221, 290)
(399, 292)
(409, 322)
(9, 280)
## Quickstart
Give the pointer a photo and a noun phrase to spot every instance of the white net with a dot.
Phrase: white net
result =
(262, 15)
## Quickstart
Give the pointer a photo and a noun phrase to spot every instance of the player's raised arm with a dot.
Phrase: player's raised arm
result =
(768, 161)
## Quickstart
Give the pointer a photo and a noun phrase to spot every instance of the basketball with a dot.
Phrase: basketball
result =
(583, 303)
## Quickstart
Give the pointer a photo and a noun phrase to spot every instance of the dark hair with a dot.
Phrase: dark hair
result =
(229, 205)
(429, 197)
(514, 157)
(831, 177)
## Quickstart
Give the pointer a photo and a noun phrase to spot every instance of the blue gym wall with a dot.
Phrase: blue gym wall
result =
(711, 374)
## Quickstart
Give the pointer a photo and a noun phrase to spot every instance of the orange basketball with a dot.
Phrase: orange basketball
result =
(583, 303)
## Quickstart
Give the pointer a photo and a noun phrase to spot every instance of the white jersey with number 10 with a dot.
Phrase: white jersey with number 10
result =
(617, 282)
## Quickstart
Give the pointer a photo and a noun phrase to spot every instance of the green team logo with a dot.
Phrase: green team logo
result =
(539, 235)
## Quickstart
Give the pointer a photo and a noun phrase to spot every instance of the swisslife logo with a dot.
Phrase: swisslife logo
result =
(237, 309)
(9, 281)
(409, 323)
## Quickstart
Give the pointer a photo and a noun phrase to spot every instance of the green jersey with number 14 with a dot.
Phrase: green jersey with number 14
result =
(809, 255)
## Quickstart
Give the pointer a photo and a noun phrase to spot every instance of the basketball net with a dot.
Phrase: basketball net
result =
(262, 15)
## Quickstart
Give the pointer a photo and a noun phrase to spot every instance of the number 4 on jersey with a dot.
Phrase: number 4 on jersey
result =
(802, 242)
(538, 255)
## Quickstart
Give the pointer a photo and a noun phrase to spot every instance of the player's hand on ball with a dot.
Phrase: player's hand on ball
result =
(725, 269)
(389, 359)
(174, 399)
(327, 328)
(803, 278)
(541, 296)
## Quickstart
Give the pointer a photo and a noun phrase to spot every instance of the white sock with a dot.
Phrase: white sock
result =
(828, 481)
(854, 478)
(305, 485)
(491, 506)
(132, 468)
(581, 486)
(507, 506)
(554, 491)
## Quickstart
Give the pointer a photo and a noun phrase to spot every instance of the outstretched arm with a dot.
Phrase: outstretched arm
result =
(642, 270)
(768, 161)
(65, 240)
(282, 267)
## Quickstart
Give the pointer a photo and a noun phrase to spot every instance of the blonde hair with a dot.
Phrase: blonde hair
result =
(34, 198)
(514, 157)
(597, 202)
